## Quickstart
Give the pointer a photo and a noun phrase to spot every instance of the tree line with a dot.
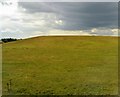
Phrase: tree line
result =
(8, 39)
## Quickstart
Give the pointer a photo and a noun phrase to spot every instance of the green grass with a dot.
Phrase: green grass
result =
(77, 65)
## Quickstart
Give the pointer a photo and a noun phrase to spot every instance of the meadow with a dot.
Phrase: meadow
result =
(61, 65)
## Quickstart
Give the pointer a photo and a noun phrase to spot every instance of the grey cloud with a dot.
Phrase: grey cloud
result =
(35, 7)
(78, 15)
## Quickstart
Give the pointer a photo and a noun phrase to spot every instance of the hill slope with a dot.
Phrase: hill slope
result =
(78, 65)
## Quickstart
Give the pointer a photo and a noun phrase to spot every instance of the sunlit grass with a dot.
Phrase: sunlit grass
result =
(76, 65)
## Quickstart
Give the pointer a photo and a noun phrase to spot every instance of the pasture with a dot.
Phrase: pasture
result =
(61, 65)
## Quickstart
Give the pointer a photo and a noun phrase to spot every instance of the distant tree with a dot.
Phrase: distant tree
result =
(8, 40)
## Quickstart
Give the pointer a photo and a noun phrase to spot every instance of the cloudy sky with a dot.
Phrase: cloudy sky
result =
(29, 19)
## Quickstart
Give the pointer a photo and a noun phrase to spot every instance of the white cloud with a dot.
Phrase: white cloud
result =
(105, 31)
(59, 22)
(28, 24)
(114, 30)
(8, 8)
(94, 30)
(62, 32)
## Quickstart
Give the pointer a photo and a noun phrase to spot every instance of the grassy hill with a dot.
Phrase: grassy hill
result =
(61, 65)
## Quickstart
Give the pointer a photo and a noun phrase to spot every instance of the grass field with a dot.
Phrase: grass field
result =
(64, 65)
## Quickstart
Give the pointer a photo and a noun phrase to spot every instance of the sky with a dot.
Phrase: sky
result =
(31, 19)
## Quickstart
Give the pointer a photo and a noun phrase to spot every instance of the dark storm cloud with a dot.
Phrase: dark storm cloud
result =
(78, 15)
